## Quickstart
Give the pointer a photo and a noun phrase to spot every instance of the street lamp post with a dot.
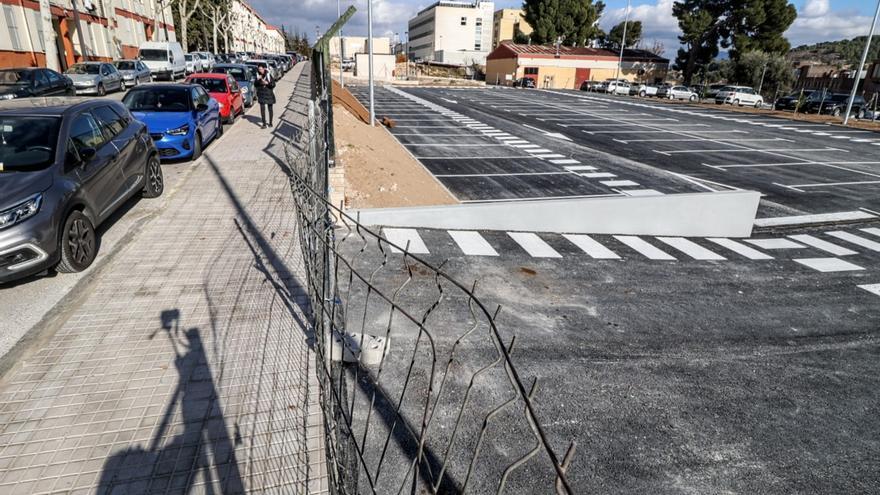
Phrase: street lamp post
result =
(622, 44)
(341, 46)
(855, 87)
(370, 58)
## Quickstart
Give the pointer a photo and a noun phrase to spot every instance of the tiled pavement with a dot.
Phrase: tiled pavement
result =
(186, 368)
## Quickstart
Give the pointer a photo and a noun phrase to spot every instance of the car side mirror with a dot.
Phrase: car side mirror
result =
(86, 154)
(202, 107)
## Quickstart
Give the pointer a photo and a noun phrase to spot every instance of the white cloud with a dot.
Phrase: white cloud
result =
(658, 23)
(389, 16)
(815, 8)
(817, 22)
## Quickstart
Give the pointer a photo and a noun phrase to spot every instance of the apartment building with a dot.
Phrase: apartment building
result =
(505, 25)
(452, 32)
(352, 45)
(49, 33)
(249, 32)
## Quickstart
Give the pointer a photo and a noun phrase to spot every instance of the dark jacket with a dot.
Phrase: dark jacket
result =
(264, 84)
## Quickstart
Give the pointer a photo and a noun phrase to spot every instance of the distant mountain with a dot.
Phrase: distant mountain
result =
(843, 53)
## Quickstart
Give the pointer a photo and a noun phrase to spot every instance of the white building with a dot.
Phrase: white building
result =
(249, 32)
(352, 45)
(450, 32)
(46, 33)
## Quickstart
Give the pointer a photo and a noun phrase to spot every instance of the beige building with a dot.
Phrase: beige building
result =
(505, 24)
(46, 33)
(569, 67)
(249, 32)
(452, 32)
(352, 45)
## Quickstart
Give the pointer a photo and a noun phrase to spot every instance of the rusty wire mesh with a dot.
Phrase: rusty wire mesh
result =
(419, 392)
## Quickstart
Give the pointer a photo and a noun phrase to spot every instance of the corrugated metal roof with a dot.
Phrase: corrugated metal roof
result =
(578, 52)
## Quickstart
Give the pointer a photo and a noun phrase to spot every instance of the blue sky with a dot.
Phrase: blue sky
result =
(818, 20)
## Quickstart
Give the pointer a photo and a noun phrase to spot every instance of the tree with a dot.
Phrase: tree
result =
(183, 11)
(701, 24)
(758, 25)
(657, 48)
(218, 13)
(572, 20)
(767, 72)
(519, 37)
(615, 36)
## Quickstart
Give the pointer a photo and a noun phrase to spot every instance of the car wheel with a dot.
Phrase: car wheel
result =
(219, 130)
(759, 104)
(861, 114)
(836, 112)
(693, 98)
(79, 244)
(736, 103)
(101, 90)
(154, 180)
(643, 94)
(197, 147)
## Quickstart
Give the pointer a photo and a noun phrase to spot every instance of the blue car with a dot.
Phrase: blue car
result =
(244, 75)
(181, 118)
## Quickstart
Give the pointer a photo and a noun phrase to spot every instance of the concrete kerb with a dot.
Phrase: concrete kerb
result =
(715, 214)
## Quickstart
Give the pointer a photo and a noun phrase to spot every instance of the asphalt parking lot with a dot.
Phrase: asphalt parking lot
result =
(533, 143)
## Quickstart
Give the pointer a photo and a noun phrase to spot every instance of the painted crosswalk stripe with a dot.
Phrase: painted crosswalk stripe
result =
(859, 241)
(534, 245)
(598, 175)
(619, 183)
(576, 168)
(592, 247)
(472, 243)
(644, 248)
(403, 236)
(872, 288)
(774, 243)
(829, 264)
(872, 230)
(564, 162)
(741, 249)
(525, 146)
(516, 142)
(822, 245)
(691, 248)
(539, 150)
(551, 155)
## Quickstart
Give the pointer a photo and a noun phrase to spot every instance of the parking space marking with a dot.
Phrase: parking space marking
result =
(598, 175)
(619, 183)
(822, 245)
(854, 239)
(534, 245)
(829, 264)
(564, 162)
(407, 239)
(871, 230)
(775, 243)
(769, 150)
(691, 248)
(538, 150)
(472, 243)
(647, 250)
(739, 248)
(872, 288)
(502, 174)
(591, 247)
(642, 192)
(790, 164)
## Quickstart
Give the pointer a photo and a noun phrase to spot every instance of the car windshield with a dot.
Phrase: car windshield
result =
(236, 73)
(211, 85)
(84, 69)
(158, 99)
(124, 65)
(154, 55)
(8, 77)
(188, 57)
(27, 143)
(839, 98)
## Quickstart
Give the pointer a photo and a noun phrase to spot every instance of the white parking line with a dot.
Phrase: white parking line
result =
(825, 184)
(829, 264)
(643, 248)
(871, 230)
(774, 243)
(591, 247)
(503, 174)
(854, 239)
(403, 236)
(741, 249)
(642, 192)
(598, 175)
(575, 168)
(534, 245)
(472, 243)
(539, 150)
(691, 248)
(872, 288)
(769, 150)
(619, 183)
(822, 245)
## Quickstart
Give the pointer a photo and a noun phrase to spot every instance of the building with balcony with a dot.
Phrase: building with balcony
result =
(452, 32)
(49, 33)
(249, 32)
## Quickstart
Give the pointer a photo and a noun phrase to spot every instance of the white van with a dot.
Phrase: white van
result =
(164, 58)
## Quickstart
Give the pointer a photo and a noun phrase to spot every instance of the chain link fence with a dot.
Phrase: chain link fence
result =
(419, 390)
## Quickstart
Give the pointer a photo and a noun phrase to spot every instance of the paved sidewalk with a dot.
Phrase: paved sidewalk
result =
(187, 366)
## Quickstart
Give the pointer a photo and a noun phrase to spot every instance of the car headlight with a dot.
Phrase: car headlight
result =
(21, 211)
(244, 89)
(180, 131)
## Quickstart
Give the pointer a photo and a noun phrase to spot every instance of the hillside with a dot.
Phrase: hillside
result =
(841, 53)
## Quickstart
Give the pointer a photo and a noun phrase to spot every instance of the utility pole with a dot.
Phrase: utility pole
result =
(858, 77)
(622, 44)
(763, 73)
(341, 46)
(370, 59)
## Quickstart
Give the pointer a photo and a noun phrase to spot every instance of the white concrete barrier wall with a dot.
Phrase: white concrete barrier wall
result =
(715, 214)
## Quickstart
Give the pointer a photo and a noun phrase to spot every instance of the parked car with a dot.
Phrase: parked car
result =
(589, 85)
(95, 78)
(193, 63)
(68, 164)
(677, 93)
(739, 96)
(133, 72)
(207, 59)
(643, 90)
(181, 118)
(712, 91)
(790, 102)
(348, 64)
(618, 88)
(244, 75)
(257, 62)
(33, 81)
(164, 58)
(835, 104)
(224, 89)
(526, 82)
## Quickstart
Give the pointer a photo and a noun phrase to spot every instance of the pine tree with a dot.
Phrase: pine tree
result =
(702, 27)
(633, 35)
(572, 20)
(759, 25)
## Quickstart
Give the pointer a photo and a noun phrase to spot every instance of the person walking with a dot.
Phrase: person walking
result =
(265, 94)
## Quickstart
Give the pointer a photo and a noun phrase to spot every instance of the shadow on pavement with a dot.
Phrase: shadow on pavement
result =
(201, 453)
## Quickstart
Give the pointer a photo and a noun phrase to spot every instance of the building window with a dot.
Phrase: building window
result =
(9, 12)
(479, 21)
(464, 21)
(530, 71)
(38, 21)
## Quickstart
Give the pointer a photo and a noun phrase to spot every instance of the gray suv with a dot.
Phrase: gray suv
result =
(65, 166)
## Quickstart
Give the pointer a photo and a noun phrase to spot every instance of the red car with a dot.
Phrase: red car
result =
(224, 89)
